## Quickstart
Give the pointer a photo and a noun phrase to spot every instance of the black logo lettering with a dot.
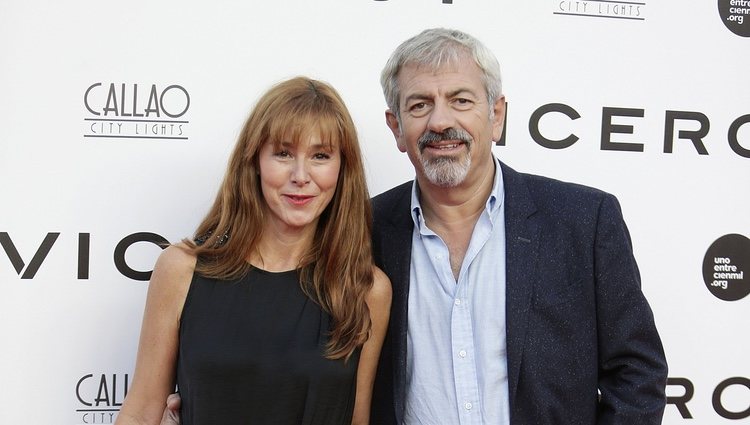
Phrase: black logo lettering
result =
(537, 136)
(84, 253)
(608, 128)
(123, 246)
(78, 390)
(681, 402)
(732, 136)
(716, 398)
(695, 136)
(36, 260)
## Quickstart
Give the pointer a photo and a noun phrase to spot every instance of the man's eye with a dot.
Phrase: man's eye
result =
(418, 106)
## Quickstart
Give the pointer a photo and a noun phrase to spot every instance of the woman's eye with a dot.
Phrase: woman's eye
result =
(321, 155)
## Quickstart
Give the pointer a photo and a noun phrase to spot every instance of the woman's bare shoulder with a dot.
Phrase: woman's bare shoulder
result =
(380, 293)
(177, 257)
(174, 268)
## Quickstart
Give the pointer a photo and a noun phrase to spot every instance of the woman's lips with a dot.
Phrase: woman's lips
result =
(299, 199)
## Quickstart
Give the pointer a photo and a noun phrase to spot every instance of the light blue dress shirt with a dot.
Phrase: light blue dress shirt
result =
(456, 362)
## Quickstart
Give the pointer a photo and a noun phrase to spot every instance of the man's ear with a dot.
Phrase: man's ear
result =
(499, 118)
(392, 122)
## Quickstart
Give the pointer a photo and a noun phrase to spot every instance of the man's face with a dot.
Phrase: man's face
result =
(446, 128)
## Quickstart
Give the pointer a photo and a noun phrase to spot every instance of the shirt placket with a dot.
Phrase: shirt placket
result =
(463, 352)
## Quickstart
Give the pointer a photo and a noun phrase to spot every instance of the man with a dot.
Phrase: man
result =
(516, 298)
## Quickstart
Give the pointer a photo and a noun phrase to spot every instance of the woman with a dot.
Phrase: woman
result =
(275, 313)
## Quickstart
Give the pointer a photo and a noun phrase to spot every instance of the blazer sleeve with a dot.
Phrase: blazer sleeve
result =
(632, 366)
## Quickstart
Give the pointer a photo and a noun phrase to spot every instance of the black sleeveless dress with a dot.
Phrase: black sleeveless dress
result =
(251, 352)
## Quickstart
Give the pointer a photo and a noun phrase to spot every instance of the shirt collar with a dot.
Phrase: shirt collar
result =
(493, 204)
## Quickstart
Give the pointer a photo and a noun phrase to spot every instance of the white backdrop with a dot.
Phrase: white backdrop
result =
(70, 309)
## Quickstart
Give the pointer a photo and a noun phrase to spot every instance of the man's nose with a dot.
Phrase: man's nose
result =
(441, 118)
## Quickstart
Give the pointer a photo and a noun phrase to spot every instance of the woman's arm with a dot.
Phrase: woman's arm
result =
(379, 304)
(155, 367)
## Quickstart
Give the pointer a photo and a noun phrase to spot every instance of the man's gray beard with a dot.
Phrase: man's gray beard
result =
(446, 171)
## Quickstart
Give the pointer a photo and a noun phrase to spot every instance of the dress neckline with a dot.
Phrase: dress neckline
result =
(277, 273)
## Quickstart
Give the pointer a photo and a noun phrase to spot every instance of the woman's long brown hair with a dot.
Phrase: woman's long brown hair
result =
(336, 271)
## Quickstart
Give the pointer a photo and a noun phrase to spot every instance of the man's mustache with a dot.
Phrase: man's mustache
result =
(449, 134)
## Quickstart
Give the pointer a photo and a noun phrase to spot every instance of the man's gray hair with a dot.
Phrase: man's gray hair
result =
(435, 48)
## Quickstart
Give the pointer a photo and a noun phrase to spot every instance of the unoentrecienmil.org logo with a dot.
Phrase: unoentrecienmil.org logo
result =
(631, 10)
(724, 267)
(736, 16)
(132, 111)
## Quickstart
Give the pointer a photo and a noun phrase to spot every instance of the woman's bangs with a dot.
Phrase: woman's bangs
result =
(291, 128)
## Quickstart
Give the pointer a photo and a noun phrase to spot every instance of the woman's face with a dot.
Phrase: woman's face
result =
(298, 181)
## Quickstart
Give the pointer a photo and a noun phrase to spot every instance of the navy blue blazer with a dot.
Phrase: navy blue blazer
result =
(582, 346)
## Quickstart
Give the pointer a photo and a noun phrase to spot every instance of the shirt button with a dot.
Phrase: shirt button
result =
(462, 353)
(457, 302)
(468, 406)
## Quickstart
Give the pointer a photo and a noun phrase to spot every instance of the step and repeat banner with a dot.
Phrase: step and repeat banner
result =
(117, 118)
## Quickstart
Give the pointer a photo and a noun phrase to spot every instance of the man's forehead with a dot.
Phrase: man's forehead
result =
(417, 78)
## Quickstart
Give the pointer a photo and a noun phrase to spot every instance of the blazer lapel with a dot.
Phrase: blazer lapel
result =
(395, 236)
(521, 244)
